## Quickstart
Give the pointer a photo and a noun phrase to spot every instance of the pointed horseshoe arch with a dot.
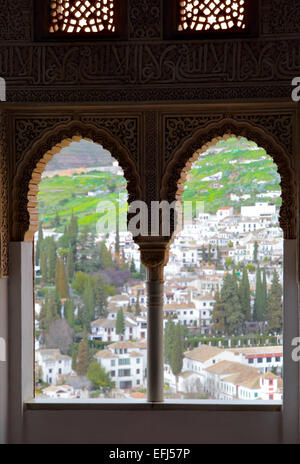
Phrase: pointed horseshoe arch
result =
(29, 172)
(190, 149)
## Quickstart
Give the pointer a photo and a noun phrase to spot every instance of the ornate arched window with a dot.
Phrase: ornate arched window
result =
(57, 19)
(196, 18)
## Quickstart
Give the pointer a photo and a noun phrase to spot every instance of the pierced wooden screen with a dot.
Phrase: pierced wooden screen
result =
(76, 20)
(77, 16)
(210, 18)
(211, 15)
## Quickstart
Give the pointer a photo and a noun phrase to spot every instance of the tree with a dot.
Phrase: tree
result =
(137, 305)
(255, 253)
(60, 336)
(69, 312)
(98, 376)
(218, 315)
(44, 266)
(100, 296)
(51, 259)
(70, 264)
(176, 356)
(62, 285)
(82, 358)
(106, 261)
(73, 235)
(117, 244)
(48, 313)
(227, 313)
(274, 313)
(80, 282)
(245, 295)
(264, 293)
(259, 309)
(120, 323)
(39, 244)
(169, 339)
(88, 304)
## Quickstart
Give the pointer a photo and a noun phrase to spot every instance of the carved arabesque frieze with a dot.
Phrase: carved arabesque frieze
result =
(153, 70)
(29, 170)
(189, 149)
(4, 203)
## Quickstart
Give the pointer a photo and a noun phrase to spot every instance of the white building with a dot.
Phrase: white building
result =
(54, 365)
(125, 362)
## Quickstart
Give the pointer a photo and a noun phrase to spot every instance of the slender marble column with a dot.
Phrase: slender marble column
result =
(155, 363)
(155, 259)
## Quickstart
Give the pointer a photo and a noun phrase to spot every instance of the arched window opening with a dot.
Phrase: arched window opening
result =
(90, 299)
(223, 317)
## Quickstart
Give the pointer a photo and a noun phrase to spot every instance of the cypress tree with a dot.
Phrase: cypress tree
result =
(106, 261)
(44, 266)
(70, 265)
(62, 285)
(218, 315)
(137, 306)
(245, 295)
(89, 303)
(73, 234)
(100, 296)
(169, 339)
(227, 312)
(176, 357)
(255, 253)
(274, 314)
(82, 358)
(69, 312)
(52, 259)
(259, 299)
(39, 244)
(120, 323)
(264, 294)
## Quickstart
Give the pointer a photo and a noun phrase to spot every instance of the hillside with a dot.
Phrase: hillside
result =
(221, 177)
(81, 154)
(232, 168)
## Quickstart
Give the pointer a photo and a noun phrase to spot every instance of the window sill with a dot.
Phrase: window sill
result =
(168, 405)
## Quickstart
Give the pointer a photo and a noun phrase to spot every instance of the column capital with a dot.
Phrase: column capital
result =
(154, 256)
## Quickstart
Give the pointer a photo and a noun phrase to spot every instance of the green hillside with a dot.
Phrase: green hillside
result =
(244, 168)
(241, 168)
(67, 194)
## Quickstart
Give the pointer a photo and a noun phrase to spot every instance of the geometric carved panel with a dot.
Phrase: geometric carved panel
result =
(205, 15)
(75, 16)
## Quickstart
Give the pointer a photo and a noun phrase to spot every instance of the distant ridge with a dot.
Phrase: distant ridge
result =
(81, 154)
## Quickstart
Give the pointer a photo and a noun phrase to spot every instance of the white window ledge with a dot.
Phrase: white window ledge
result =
(168, 405)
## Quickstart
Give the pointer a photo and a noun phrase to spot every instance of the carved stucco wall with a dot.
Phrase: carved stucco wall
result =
(154, 148)
(145, 67)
